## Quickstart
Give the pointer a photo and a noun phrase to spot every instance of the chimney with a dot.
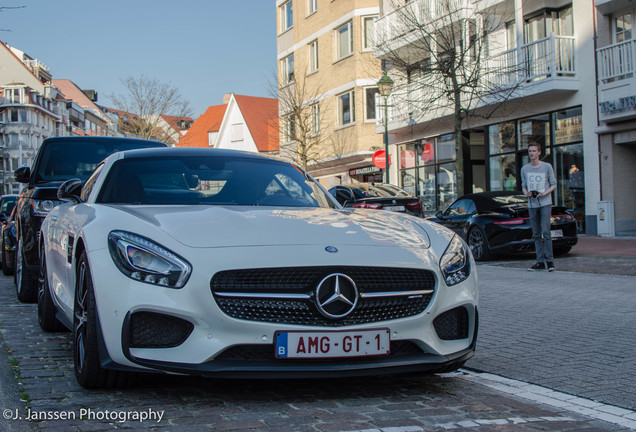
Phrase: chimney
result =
(226, 98)
(91, 94)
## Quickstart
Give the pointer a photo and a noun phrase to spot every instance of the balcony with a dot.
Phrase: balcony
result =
(616, 81)
(537, 67)
(398, 27)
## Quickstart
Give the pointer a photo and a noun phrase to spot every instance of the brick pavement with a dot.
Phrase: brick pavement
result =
(592, 254)
(569, 331)
(398, 403)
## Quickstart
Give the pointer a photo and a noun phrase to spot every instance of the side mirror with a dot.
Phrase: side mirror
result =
(70, 190)
(439, 215)
(22, 175)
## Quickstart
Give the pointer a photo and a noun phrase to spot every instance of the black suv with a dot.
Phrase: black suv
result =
(58, 159)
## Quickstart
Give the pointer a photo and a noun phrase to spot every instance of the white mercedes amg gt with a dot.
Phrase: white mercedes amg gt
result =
(224, 263)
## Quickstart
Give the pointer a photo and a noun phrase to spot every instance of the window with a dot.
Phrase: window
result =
(289, 133)
(287, 69)
(623, 27)
(346, 111)
(368, 32)
(286, 16)
(344, 38)
(371, 95)
(315, 119)
(237, 132)
(312, 6)
(313, 56)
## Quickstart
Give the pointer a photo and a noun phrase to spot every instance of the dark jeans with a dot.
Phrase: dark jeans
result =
(540, 223)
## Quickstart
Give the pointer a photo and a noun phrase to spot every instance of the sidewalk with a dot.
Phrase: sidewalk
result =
(592, 254)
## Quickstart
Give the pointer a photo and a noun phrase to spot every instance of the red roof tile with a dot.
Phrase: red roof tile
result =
(209, 121)
(261, 117)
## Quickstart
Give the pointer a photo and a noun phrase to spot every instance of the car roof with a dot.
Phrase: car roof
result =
(485, 200)
(99, 139)
(193, 151)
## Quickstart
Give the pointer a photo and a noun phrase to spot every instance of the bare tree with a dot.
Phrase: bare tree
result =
(304, 120)
(147, 99)
(444, 68)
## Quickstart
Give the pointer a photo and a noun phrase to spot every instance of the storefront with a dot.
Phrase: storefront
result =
(427, 167)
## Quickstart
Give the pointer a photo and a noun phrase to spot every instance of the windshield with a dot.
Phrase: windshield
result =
(210, 180)
(64, 160)
(365, 190)
(510, 199)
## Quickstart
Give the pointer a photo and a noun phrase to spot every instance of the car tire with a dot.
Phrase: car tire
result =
(46, 308)
(478, 243)
(562, 250)
(88, 370)
(5, 268)
(25, 285)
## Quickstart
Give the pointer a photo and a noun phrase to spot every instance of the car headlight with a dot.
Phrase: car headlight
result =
(146, 261)
(43, 207)
(455, 262)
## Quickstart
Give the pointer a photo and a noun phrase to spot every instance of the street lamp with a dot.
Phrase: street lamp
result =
(385, 85)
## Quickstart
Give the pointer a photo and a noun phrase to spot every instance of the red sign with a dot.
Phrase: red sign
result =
(427, 152)
(407, 159)
(379, 159)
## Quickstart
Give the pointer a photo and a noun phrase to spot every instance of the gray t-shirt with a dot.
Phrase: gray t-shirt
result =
(540, 179)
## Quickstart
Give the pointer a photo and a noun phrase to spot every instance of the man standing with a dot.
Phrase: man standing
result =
(538, 182)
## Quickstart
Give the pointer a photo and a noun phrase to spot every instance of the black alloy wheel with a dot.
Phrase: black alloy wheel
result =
(25, 286)
(46, 308)
(88, 370)
(478, 243)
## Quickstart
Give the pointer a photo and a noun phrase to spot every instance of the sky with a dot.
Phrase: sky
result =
(204, 48)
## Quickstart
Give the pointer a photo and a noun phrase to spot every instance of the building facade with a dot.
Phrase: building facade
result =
(31, 110)
(536, 69)
(327, 79)
(616, 50)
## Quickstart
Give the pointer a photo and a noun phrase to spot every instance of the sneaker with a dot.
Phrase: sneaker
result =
(538, 266)
(550, 266)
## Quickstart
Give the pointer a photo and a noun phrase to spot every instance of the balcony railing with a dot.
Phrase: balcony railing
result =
(544, 59)
(616, 61)
(549, 57)
(407, 18)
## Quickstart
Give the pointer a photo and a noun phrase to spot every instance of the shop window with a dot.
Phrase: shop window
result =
(446, 185)
(502, 138)
(534, 130)
(503, 173)
(426, 185)
(446, 147)
(568, 126)
(568, 169)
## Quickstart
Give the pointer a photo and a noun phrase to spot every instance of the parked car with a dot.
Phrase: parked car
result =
(377, 196)
(7, 203)
(498, 222)
(58, 159)
(7, 244)
(224, 263)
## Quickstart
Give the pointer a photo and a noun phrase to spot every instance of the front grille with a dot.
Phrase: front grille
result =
(452, 325)
(242, 291)
(154, 330)
(265, 352)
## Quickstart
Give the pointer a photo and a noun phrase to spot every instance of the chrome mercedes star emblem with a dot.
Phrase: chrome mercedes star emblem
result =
(336, 296)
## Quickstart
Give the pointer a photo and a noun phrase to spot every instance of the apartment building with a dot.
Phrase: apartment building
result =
(536, 58)
(328, 87)
(30, 110)
(615, 54)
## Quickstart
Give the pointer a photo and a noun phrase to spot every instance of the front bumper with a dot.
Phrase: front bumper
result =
(207, 349)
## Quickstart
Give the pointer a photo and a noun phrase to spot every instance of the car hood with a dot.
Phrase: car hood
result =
(236, 226)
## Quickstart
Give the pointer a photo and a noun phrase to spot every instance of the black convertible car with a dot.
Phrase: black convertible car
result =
(498, 222)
